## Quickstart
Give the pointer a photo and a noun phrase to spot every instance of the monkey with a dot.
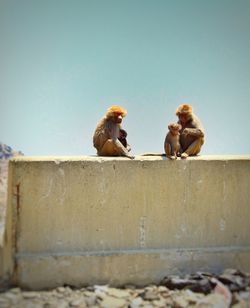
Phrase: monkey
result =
(172, 141)
(106, 134)
(123, 139)
(192, 135)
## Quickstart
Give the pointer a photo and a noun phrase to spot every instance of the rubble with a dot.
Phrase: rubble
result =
(197, 290)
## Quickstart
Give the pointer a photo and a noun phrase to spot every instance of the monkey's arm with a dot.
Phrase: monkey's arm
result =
(196, 132)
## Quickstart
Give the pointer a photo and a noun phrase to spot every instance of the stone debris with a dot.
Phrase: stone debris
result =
(229, 289)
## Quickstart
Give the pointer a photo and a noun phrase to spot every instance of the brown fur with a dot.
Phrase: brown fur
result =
(105, 138)
(123, 139)
(172, 141)
(192, 132)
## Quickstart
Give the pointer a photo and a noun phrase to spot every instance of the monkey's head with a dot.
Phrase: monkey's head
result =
(174, 128)
(116, 113)
(184, 113)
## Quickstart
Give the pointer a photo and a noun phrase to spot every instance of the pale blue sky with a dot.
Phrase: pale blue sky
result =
(63, 63)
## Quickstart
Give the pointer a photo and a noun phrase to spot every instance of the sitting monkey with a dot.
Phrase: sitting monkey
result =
(172, 141)
(192, 132)
(107, 132)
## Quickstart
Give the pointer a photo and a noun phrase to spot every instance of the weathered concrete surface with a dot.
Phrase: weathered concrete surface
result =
(5, 242)
(85, 220)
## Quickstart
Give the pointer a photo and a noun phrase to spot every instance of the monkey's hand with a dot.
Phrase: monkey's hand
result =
(193, 132)
(128, 147)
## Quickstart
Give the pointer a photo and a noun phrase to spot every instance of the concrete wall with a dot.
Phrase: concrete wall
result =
(86, 220)
(6, 260)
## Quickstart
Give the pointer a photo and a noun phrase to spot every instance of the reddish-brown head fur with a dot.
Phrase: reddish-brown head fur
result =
(116, 111)
(184, 109)
(174, 128)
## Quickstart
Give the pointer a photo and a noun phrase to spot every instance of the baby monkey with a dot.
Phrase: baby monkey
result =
(172, 141)
(123, 139)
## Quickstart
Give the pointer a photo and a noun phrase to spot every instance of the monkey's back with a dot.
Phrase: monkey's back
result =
(105, 129)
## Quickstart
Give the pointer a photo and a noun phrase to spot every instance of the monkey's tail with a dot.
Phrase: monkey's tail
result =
(153, 154)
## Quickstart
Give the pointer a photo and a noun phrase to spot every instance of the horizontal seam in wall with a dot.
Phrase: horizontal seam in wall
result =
(101, 253)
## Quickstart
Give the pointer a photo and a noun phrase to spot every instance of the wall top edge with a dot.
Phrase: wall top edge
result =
(137, 158)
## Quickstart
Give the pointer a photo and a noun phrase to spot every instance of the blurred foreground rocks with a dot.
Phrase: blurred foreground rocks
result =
(6, 152)
(229, 289)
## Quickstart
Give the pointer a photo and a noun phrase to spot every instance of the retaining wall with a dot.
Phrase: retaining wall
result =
(96, 220)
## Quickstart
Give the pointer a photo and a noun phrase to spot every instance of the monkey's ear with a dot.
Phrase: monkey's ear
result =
(169, 126)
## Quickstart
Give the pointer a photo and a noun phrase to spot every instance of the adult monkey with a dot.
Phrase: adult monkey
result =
(191, 133)
(107, 132)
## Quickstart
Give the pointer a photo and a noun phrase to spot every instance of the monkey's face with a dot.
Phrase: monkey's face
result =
(174, 128)
(174, 131)
(184, 117)
(117, 118)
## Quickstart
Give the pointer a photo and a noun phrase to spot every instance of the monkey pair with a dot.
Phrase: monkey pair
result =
(109, 138)
(185, 138)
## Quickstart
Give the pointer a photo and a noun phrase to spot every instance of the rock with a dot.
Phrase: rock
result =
(60, 289)
(136, 302)
(6, 152)
(238, 302)
(80, 302)
(30, 294)
(15, 290)
(163, 289)
(191, 297)
(180, 302)
(90, 300)
(4, 302)
(61, 304)
(159, 303)
(101, 291)
(11, 296)
(213, 301)
(201, 286)
(245, 296)
(150, 296)
(174, 283)
(119, 293)
(236, 272)
(235, 280)
(112, 302)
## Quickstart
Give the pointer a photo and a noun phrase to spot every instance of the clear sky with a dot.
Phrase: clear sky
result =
(64, 62)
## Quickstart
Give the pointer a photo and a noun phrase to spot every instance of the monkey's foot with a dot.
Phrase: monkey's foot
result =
(130, 156)
(171, 157)
(184, 155)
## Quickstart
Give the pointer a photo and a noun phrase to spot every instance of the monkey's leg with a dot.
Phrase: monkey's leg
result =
(169, 152)
(108, 149)
(168, 149)
(121, 150)
(194, 148)
(114, 148)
